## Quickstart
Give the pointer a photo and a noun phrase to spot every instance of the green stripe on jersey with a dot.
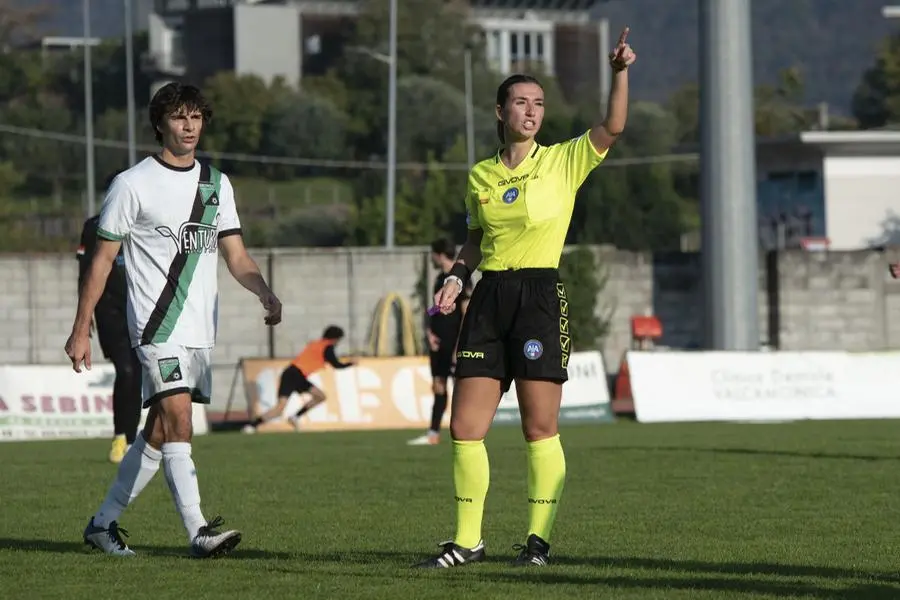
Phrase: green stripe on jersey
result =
(205, 193)
(107, 235)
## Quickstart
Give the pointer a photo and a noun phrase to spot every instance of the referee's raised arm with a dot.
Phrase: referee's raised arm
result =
(604, 135)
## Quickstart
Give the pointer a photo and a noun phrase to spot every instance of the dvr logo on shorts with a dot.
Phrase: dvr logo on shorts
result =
(169, 370)
(533, 349)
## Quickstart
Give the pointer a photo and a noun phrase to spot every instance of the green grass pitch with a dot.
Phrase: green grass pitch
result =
(687, 511)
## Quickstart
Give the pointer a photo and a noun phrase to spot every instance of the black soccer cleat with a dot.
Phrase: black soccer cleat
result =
(535, 553)
(453, 555)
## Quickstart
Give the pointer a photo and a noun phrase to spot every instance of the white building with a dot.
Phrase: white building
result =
(840, 185)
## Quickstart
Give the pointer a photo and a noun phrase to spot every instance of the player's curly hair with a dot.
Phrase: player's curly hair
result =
(173, 97)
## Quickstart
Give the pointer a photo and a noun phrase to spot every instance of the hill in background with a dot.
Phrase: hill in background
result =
(831, 42)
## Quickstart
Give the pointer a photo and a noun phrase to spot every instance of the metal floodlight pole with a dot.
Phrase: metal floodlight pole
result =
(728, 172)
(392, 133)
(90, 183)
(605, 68)
(129, 83)
(470, 116)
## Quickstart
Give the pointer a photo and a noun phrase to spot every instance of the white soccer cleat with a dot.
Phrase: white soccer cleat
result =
(108, 540)
(429, 439)
(210, 543)
(248, 428)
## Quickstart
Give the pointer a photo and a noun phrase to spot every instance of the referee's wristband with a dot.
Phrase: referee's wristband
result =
(462, 272)
(455, 280)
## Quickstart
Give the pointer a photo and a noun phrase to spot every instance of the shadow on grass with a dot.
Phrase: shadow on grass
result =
(393, 559)
(754, 452)
(700, 575)
(70, 547)
(728, 578)
(869, 591)
(401, 559)
(727, 568)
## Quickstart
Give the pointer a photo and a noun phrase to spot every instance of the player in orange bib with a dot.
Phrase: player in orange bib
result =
(312, 358)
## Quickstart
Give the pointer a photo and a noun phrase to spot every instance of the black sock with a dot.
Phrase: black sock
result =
(437, 411)
(258, 421)
(302, 411)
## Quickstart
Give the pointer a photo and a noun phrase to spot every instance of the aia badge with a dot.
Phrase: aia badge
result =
(533, 349)
(510, 195)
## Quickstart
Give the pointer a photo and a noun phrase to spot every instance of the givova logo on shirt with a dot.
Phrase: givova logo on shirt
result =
(193, 237)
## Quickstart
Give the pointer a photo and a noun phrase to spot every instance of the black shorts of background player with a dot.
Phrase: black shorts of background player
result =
(314, 356)
(443, 331)
(111, 323)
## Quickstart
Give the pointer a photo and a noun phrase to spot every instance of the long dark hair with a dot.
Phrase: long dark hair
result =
(503, 95)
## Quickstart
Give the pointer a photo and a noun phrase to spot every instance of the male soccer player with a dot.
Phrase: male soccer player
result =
(171, 214)
(294, 377)
(443, 330)
(110, 318)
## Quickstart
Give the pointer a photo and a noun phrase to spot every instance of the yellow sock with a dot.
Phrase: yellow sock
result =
(471, 477)
(546, 477)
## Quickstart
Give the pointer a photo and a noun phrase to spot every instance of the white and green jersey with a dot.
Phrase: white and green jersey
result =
(170, 220)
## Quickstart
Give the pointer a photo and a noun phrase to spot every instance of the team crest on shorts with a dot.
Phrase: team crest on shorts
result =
(169, 369)
(533, 349)
(510, 195)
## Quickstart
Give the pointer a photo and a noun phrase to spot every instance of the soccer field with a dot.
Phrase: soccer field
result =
(705, 511)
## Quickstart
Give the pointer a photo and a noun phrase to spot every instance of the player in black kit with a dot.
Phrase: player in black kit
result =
(111, 321)
(443, 331)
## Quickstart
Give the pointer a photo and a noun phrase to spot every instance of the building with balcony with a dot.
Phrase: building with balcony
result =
(195, 39)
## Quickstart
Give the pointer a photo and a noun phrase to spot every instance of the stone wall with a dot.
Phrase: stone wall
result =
(836, 300)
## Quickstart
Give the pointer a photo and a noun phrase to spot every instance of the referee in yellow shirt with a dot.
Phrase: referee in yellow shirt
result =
(519, 205)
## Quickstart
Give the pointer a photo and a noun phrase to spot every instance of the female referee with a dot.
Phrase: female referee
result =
(519, 205)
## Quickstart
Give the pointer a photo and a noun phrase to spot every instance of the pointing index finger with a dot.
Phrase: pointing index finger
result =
(623, 36)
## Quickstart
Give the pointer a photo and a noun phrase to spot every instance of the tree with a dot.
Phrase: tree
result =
(635, 207)
(111, 125)
(433, 115)
(304, 126)
(876, 102)
(65, 73)
(428, 203)
(431, 42)
(48, 164)
(684, 105)
(21, 73)
(778, 108)
(19, 25)
(587, 278)
(239, 104)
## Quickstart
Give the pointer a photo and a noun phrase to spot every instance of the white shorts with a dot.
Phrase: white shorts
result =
(169, 369)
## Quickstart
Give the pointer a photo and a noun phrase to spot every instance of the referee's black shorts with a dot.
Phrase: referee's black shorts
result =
(292, 380)
(516, 327)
